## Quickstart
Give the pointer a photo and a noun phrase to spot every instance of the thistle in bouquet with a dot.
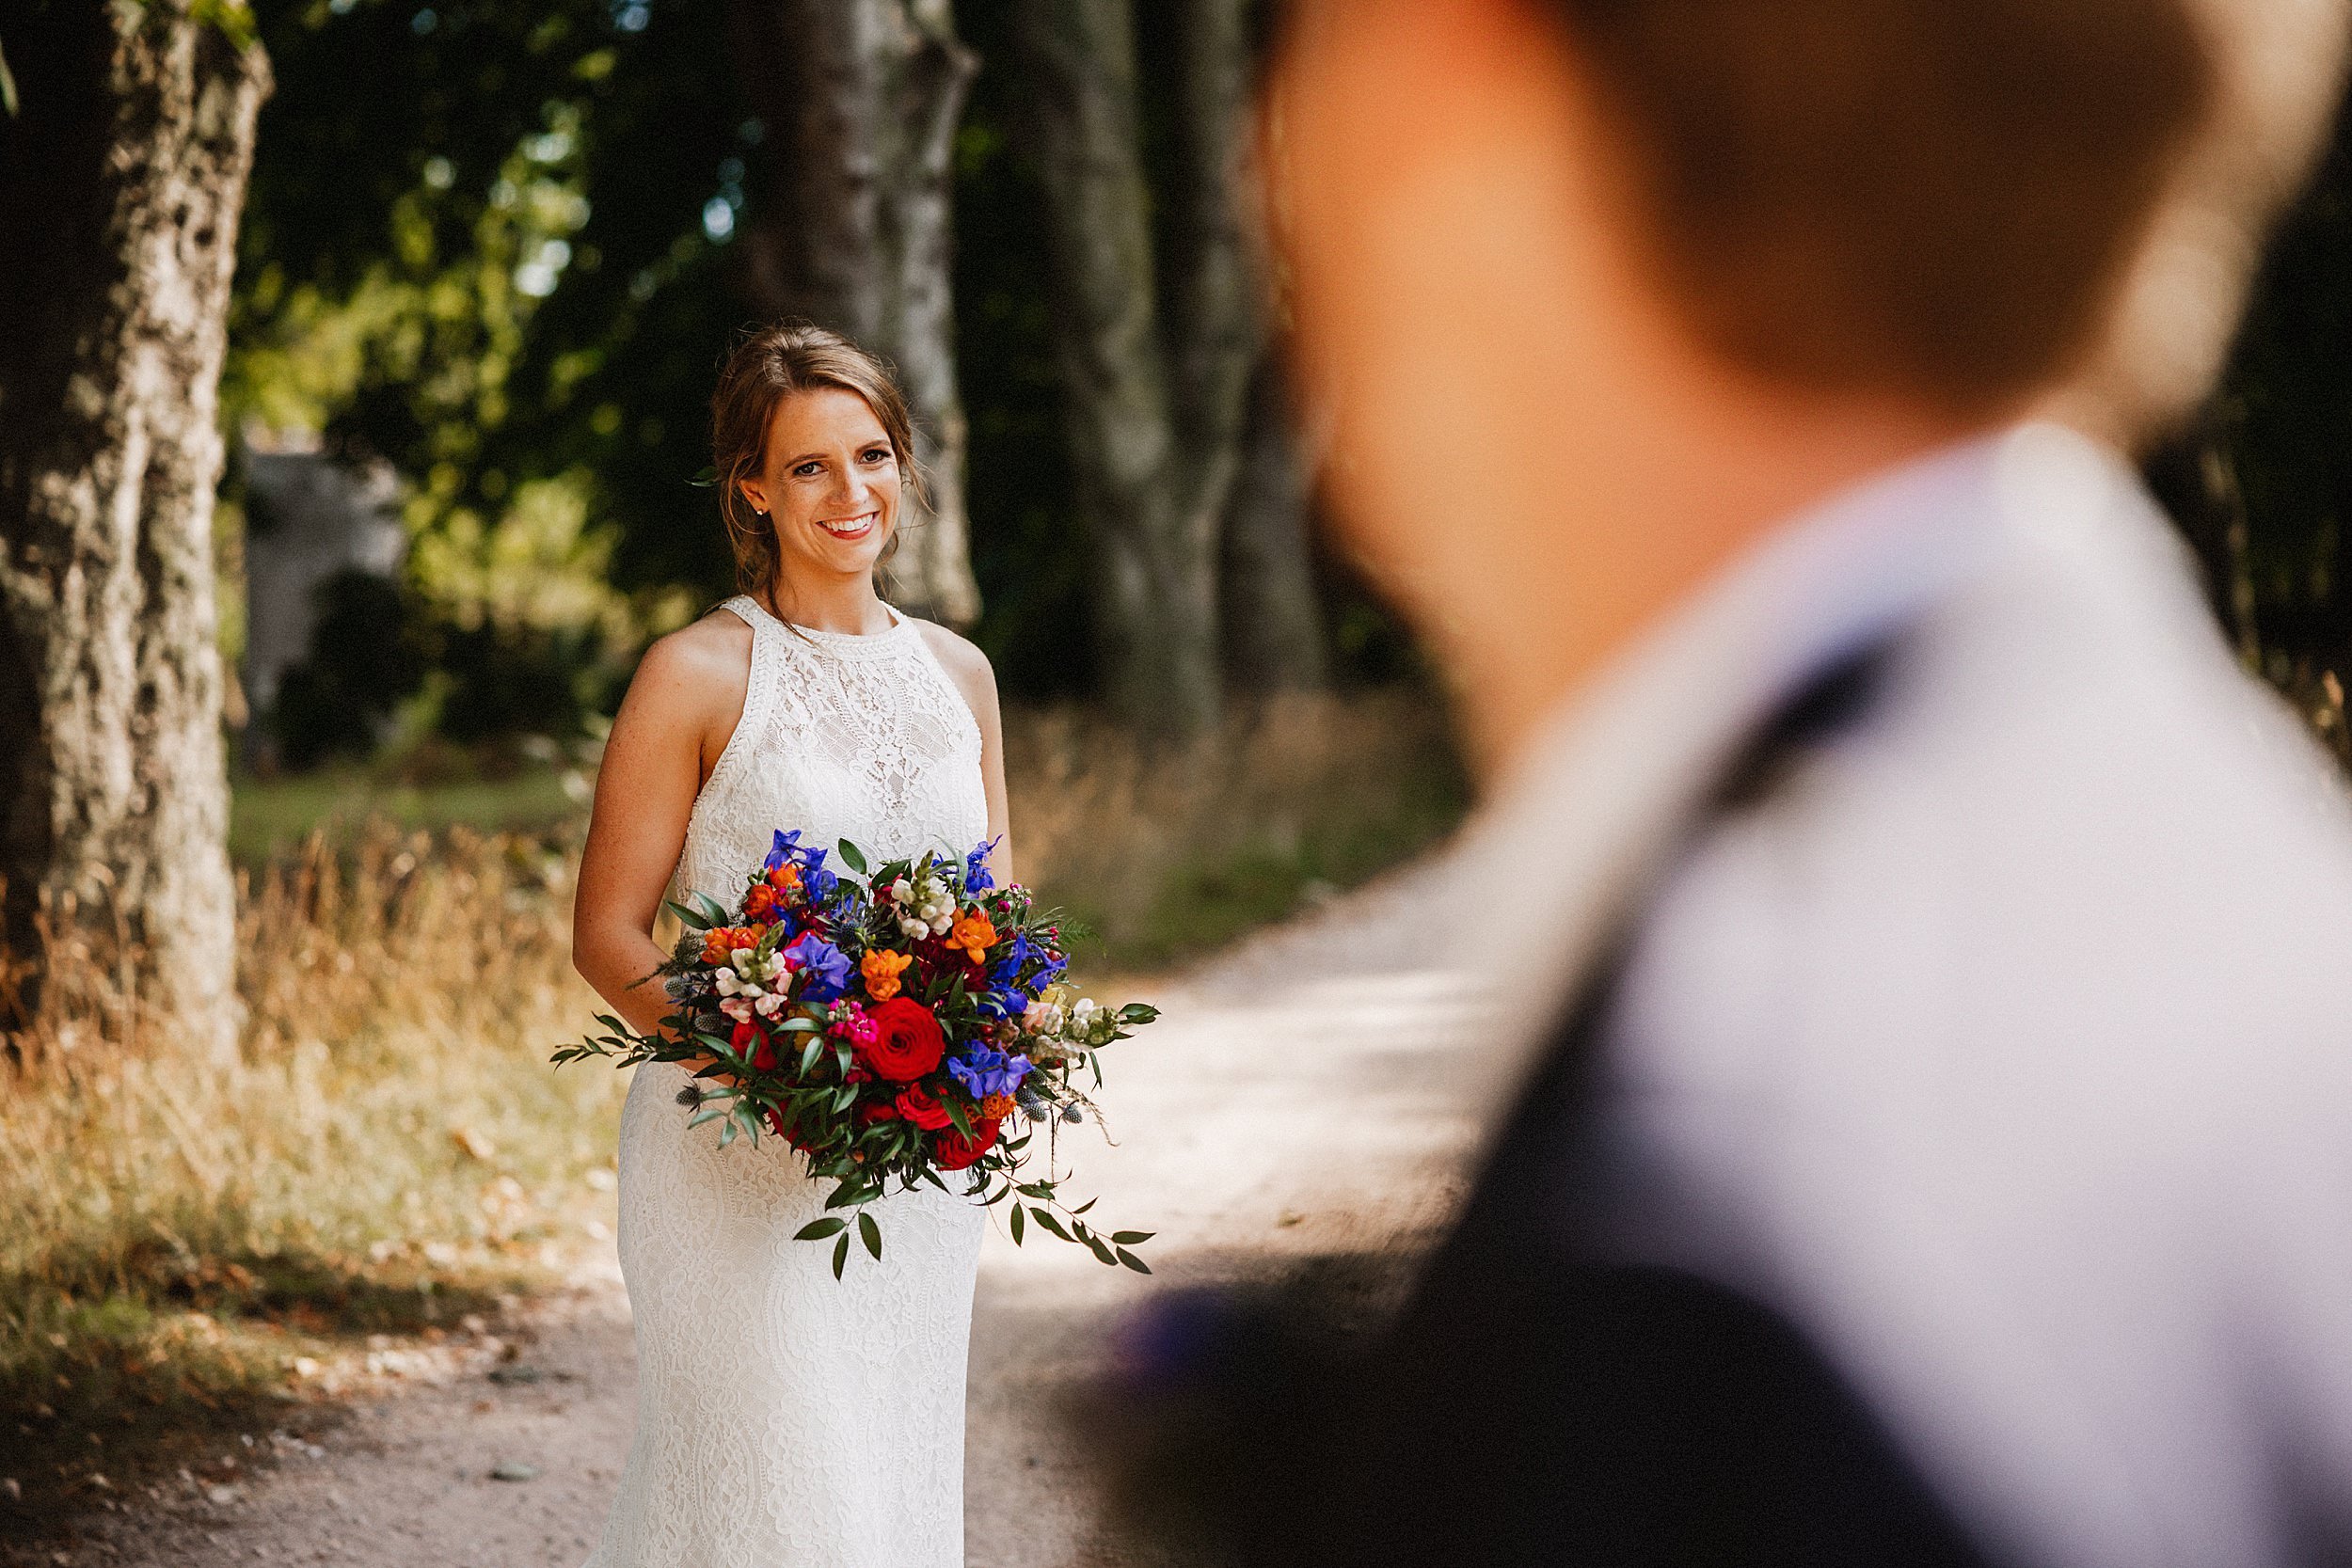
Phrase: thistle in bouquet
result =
(892, 1026)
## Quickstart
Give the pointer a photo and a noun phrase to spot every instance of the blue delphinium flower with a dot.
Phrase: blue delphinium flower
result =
(818, 882)
(824, 968)
(975, 874)
(984, 1070)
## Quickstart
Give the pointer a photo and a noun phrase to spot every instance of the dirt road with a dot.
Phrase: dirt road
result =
(1263, 1118)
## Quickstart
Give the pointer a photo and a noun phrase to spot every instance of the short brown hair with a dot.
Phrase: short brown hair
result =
(1937, 194)
(766, 365)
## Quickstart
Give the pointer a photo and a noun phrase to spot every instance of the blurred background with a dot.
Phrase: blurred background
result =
(489, 257)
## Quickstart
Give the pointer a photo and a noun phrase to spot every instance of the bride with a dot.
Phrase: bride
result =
(786, 1417)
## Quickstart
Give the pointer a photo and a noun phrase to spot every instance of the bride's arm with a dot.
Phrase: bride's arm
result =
(969, 669)
(687, 692)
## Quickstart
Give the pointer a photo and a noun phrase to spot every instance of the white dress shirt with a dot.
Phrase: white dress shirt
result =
(2006, 1047)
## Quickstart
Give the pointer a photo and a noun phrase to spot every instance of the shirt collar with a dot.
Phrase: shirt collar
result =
(1580, 820)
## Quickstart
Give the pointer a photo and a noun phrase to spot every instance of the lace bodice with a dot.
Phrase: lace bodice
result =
(844, 736)
(786, 1417)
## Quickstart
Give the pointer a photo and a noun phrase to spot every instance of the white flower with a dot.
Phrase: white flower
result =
(898, 892)
(768, 1005)
(1082, 1011)
(738, 1008)
(943, 924)
(915, 929)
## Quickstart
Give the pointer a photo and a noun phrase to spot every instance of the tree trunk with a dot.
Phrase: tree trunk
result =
(1273, 620)
(120, 185)
(1154, 407)
(862, 98)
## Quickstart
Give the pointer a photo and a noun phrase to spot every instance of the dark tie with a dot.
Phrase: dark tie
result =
(1533, 1403)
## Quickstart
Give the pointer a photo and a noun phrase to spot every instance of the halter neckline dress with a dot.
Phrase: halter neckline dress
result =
(785, 1419)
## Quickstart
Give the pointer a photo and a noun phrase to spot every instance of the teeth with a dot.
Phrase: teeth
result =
(855, 525)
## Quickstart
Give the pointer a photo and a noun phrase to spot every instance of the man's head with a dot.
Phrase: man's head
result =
(1592, 290)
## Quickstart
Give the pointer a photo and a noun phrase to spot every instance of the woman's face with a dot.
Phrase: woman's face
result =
(830, 485)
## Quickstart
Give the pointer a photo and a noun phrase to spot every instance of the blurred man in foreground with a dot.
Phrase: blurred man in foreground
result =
(1939, 1144)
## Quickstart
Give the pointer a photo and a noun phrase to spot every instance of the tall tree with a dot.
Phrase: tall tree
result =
(860, 100)
(121, 178)
(1155, 381)
(1274, 639)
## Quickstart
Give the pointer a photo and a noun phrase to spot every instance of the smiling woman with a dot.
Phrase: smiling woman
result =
(823, 1423)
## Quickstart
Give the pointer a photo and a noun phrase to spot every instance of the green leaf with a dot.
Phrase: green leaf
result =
(840, 1255)
(851, 856)
(844, 1097)
(727, 1132)
(1133, 1237)
(1087, 1205)
(706, 479)
(1133, 1261)
(1102, 1251)
(955, 1114)
(799, 1026)
(1016, 1225)
(714, 913)
(870, 1235)
(7, 88)
(712, 1114)
(1045, 1218)
(809, 1053)
(816, 1231)
(690, 919)
(1138, 1012)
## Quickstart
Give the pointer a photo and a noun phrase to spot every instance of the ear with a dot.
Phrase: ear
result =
(755, 494)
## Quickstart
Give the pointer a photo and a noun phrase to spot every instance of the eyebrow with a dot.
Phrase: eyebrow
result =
(821, 456)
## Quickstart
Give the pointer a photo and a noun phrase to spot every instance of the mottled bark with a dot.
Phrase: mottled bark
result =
(121, 184)
(862, 98)
(1274, 638)
(1154, 404)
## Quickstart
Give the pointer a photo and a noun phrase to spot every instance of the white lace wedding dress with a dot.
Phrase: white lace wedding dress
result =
(786, 1419)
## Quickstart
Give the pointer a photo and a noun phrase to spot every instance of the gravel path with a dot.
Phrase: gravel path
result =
(1260, 1120)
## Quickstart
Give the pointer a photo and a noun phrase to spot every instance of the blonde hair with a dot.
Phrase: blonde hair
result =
(766, 366)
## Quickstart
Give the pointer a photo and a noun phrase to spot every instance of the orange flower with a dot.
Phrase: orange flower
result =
(784, 877)
(973, 934)
(721, 940)
(759, 901)
(996, 1107)
(881, 968)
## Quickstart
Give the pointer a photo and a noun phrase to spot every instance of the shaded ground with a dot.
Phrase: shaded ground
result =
(1260, 1121)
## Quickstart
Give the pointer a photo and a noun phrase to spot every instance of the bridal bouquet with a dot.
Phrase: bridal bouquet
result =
(891, 1025)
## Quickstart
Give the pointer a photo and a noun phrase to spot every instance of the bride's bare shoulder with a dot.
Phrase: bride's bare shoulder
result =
(704, 665)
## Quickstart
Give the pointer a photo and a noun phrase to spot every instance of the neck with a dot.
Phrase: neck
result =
(1649, 519)
(840, 604)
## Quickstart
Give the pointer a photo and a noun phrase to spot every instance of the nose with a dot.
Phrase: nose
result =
(855, 487)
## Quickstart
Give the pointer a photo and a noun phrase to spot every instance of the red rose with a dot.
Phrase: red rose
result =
(763, 1052)
(957, 1151)
(921, 1107)
(907, 1041)
(877, 1109)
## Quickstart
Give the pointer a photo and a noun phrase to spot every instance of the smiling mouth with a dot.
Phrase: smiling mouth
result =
(850, 527)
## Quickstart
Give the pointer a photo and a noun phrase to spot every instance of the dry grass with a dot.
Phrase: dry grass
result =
(190, 1248)
(193, 1249)
(1169, 855)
